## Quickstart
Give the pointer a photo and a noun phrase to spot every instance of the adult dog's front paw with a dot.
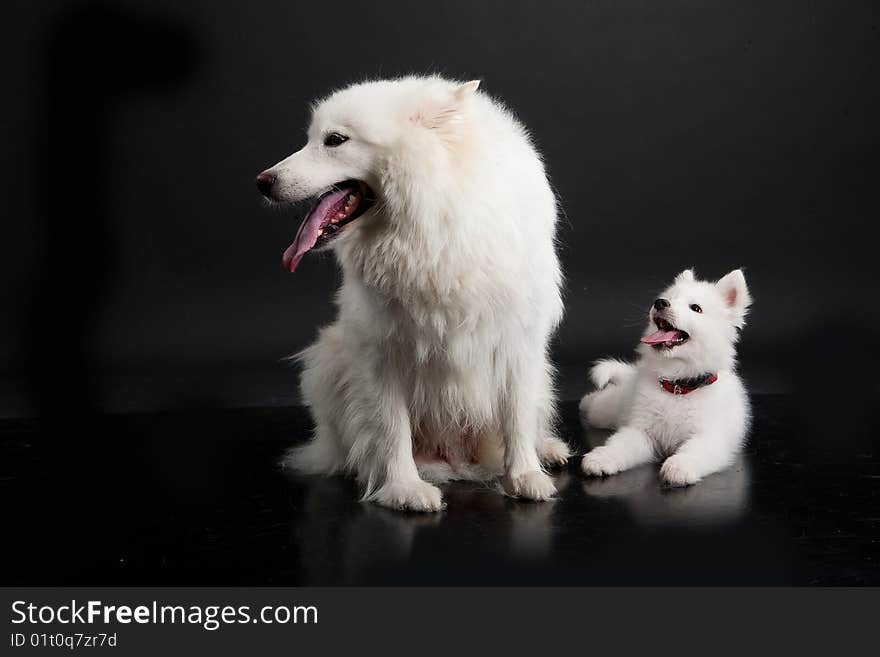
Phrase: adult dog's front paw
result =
(599, 463)
(534, 485)
(553, 452)
(409, 496)
(677, 470)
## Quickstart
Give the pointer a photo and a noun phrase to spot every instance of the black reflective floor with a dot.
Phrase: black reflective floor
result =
(195, 498)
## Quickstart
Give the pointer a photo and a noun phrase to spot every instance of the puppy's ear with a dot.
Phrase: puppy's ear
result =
(687, 276)
(438, 112)
(736, 295)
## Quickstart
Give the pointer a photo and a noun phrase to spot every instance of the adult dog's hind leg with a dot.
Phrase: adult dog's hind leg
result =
(553, 451)
(321, 380)
(524, 425)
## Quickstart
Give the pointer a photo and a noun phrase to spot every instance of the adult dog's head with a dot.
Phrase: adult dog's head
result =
(367, 145)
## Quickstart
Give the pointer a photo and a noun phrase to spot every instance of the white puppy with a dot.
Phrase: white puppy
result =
(682, 401)
(438, 209)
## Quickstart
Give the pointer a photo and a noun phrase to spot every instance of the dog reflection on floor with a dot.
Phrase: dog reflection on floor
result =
(344, 541)
(719, 499)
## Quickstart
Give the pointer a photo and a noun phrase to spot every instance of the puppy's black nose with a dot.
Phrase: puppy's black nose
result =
(660, 304)
(265, 181)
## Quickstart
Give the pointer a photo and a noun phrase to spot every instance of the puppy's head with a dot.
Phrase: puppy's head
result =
(358, 135)
(694, 325)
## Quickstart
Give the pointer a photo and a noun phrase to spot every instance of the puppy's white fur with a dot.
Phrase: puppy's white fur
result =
(450, 293)
(698, 433)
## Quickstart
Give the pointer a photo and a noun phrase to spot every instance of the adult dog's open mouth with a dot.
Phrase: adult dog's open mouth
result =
(329, 214)
(666, 336)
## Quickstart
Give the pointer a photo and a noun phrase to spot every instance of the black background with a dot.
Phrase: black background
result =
(141, 270)
(142, 273)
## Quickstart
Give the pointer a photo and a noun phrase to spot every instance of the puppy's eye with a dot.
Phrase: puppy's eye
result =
(696, 308)
(334, 139)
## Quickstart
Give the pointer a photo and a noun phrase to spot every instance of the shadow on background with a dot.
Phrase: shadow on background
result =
(367, 544)
(96, 56)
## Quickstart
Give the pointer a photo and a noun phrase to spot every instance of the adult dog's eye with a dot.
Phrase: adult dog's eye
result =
(334, 139)
(696, 308)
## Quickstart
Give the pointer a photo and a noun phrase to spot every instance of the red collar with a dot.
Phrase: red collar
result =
(687, 386)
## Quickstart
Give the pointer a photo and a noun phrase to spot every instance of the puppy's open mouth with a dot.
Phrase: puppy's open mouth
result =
(329, 214)
(666, 336)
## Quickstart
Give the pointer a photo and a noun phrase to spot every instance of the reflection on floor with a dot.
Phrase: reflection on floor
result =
(195, 497)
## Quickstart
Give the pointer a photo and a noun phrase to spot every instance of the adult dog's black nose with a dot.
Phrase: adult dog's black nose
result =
(660, 304)
(265, 181)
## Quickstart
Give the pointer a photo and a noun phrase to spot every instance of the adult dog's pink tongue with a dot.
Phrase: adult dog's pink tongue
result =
(661, 336)
(307, 235)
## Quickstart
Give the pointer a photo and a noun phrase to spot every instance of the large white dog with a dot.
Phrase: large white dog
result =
(439, 211)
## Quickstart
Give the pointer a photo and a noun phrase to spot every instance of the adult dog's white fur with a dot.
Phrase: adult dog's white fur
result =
(698, 433)
(450, 294)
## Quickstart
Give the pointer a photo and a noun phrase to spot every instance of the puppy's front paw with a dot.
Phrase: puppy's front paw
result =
(553, 452)
(599, 463)
(409, 496)
(534, 485)
(677, 470)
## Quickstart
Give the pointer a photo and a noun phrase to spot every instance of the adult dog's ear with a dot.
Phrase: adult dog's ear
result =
(444, 110)
(467, 89)
(736, 295)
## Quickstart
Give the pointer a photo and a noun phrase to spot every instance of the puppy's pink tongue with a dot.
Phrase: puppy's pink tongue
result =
(659, 337)
(307, 235)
